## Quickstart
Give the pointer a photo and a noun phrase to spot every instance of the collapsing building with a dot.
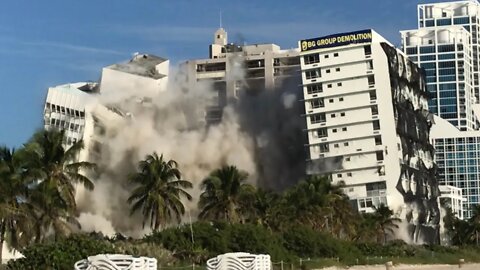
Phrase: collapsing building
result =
(260, 82)
(368, 126)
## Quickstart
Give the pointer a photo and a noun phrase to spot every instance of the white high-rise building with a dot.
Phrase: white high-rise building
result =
(445, 53)
(368, 125)
(140, 78)
(65, 108)
(462, 13)
(234, 68)
(446, 44)
(240, 261)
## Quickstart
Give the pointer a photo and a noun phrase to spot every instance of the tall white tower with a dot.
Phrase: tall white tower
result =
(219, 41)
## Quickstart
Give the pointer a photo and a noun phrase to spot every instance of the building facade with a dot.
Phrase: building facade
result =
(452, 198)
(65, 108)
(368, 125)
(236, 70)
(446, 45)
(445, 53)
(462, 13)
(458, 160)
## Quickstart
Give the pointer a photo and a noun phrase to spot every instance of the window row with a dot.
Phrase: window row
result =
(62, 124)
(315, 58)
(325, 146)
(65, 110)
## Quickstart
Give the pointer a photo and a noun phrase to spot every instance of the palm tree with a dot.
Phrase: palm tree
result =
(385, 221)
(368, 229)
(12, 190)
(226, 195)
(51, 166)
(319, 204)
(475, 223)
(53, 172)
(159, 191)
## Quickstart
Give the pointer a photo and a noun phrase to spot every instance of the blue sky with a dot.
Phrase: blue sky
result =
(51, 42)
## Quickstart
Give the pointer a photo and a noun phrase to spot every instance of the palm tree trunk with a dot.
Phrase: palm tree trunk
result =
(384, 236)
(2, 240)
(476, 236)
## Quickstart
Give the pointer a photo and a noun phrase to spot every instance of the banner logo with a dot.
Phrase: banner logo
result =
(342, 39)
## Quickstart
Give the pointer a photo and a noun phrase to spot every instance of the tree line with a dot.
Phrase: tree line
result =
(37, 197)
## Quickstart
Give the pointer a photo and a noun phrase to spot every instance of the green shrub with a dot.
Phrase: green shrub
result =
(61, 254)
(214, 238)
(305, 242)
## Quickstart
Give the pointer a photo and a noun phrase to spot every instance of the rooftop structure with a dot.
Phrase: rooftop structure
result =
(145, 75)
(236, 70)
(145, 65)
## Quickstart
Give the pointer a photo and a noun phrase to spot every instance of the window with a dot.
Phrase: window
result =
(326, 56)
(314, 88)
(347, 159)
(330, 100)
(340, 99)
(344, 129)
(322, 132)
(337, 69)
(335, 54)
(312, 74)
(369, 65)
(378, 140)
(379, 155)
(376, 125)
(342, 114)
(335, 145)
(339, 84)
(339, 175)
(345, 144)
(371, 80)
(367, 49)
(334, 130)
(311, 58)
(374, 110)
(317, 103)
(329, 85)
(327, 71)
(349, 174)
(373, 95)
(323, 148)
(317, 118)
(332, 115)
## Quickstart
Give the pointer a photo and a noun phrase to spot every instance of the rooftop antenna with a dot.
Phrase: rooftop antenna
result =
(220, 19)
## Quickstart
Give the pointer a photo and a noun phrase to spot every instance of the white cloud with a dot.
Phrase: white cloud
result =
(70, 47)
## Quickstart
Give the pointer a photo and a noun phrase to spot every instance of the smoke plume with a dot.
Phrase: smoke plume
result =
(260, 133)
